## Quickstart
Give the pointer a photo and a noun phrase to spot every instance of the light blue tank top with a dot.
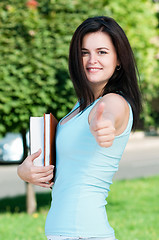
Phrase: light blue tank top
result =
(84, 173)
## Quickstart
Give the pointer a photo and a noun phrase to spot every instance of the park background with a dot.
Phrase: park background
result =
(34, 47)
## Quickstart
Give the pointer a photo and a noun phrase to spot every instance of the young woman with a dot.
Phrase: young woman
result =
(91, 139)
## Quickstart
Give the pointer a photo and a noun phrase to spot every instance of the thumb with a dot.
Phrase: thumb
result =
(99, 111)
(35, 155)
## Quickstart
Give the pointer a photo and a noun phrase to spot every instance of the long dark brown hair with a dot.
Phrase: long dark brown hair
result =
(123, 81)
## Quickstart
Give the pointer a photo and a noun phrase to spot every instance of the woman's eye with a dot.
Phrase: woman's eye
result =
(84, 53)
(102, 52)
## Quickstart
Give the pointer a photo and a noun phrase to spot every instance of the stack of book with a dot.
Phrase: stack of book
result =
(42, 136)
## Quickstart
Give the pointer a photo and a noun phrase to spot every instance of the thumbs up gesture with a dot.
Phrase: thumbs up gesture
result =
(102, 126)
(33, 174)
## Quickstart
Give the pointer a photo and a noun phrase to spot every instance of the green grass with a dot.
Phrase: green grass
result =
(16, 224)
(133, 211)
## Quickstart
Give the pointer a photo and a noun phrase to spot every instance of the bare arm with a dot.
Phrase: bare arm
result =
(33, 174)
(108, 118)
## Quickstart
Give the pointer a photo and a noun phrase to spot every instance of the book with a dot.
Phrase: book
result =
(42, 135)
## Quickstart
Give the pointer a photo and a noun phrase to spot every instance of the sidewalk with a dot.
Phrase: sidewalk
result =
(141, 140)
(140, 159)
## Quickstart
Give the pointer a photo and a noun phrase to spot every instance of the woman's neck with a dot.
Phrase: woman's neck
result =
(97, 90)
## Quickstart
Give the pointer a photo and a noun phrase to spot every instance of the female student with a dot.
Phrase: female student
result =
(90, 140)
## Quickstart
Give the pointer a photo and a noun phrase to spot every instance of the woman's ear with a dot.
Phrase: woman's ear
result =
(118, 67)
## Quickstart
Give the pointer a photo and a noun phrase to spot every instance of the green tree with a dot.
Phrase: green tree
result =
(140, 24)
(34, 47)
(29, 69)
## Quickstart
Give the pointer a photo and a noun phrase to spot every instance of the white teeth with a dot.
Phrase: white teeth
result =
(93, 69)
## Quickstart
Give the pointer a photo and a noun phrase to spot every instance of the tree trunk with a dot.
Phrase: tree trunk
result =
(31, 203)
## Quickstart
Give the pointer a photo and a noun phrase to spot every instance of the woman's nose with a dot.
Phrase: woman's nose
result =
(93, 59)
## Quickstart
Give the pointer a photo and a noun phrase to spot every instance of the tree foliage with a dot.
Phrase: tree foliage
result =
(140, 25)
(34, 46)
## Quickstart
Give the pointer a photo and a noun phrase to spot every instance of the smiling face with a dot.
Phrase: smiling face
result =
(99, 59)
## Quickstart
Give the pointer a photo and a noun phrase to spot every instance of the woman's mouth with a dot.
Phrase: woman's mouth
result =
(93, 69)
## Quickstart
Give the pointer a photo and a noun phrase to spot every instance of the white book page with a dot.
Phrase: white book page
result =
(37, 138)
(47, 139)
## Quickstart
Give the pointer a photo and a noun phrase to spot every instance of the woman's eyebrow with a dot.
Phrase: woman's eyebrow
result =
(97, 48)
(103, 48)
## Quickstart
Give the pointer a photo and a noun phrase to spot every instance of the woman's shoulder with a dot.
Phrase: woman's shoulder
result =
(115, 98)
(114, 101)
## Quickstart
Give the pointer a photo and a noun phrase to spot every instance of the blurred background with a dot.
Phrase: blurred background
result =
(34, 78)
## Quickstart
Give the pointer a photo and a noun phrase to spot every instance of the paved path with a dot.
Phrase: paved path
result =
(141, 158)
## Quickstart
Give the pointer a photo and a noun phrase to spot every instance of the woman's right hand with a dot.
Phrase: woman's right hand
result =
(37, 175)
